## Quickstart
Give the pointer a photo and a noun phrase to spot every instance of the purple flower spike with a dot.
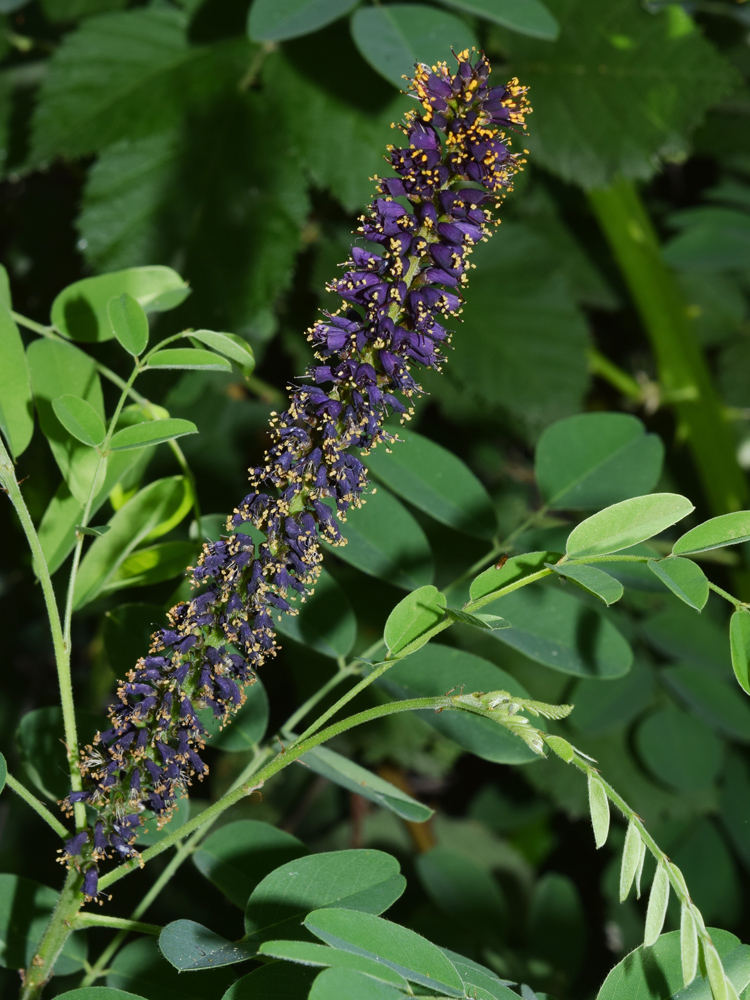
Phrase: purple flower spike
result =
(455, 167)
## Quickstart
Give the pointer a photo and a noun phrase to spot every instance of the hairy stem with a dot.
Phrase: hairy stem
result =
(675, 876)
(95, 486)
(61, 646)
(734, 601)
(115, 923)
(57, 933)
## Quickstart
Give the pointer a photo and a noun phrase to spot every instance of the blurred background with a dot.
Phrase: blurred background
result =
(236, 144)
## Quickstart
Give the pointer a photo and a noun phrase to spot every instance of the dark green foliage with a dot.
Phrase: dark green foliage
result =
(215, 155)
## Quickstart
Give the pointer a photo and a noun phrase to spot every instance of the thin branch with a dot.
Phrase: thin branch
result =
(39, 807)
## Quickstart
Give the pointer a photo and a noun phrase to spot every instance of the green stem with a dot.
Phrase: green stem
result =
(497, 549)
(94, 489)
(37, 806)
(735, 602)
(256, 63)
(115, 923)
(683, 372)
(624, 808)
(61, 646)
(341, 674)
(378, 670)
(676, 879)
(480, 602)
(54, 938)
(282, 760)
(188, 474)
(30, 324)
(477, 567)
(600, 364)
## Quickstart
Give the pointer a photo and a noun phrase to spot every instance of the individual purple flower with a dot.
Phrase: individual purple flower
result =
(395, 295)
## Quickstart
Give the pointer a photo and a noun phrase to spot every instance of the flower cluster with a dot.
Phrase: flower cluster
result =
(398, 290)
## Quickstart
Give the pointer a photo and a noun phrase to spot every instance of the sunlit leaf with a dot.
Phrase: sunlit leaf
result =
(728, 529)
(593, 581)
(16, 405)
(129, 323)
(188, 359)
(150, 433)
(684, 578)
(657, 906)
(405, 951)
(739, 640)
(627, 523)
(599, 809)
(411, 618)
(80, 311)
(80, 419)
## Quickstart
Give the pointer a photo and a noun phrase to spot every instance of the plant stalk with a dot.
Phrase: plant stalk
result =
(57, 933)
(9, 484)
(682, 368)
(37, 806)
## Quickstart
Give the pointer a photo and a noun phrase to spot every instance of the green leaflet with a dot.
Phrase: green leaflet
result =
(152, 512)
(411, 618)
(657, 906)
(593, 460)
(309, 953)
(385, 540)
(599, 809)
(528, 18)
(81, 311)
(237, 856)
(16, 405)
(79, 419)
(739, 639)
(59, 367)
(405, 951)
(269, 21)
(129, 323)
(684, 578)
(437, 482)
(633, 975)
(626, 523)
(391, 39)
(678, 749)
(140, 968)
